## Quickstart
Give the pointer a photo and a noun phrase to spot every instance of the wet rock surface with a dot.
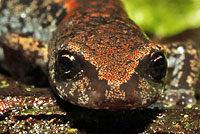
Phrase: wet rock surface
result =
(26, 109)
(37, 110)
(176, 121)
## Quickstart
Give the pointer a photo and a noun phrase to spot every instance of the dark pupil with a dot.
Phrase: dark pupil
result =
(158, 66)
(65, 64)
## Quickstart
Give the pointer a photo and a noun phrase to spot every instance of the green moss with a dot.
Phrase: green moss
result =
(28, 89)
(30, 111)
(72, 130)
(4, 84)
(187, 126)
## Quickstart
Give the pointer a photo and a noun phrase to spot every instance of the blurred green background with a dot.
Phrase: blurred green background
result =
(164, 17)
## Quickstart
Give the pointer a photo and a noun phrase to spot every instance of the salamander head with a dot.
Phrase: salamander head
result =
(111, 66)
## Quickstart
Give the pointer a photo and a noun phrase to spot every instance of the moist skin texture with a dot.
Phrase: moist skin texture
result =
(113, 54)
(97, 57)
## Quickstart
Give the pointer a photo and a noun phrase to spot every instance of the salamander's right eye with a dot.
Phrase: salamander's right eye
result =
(66, 62)
(67, 65)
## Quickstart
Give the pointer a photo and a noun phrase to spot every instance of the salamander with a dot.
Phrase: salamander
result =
(97, 56)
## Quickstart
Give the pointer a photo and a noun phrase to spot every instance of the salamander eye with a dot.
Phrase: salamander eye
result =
(66, 62)
(158, 66)
(67, 65)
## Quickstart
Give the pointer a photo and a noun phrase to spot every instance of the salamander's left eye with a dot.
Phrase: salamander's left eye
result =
(67, 65)
(158, 66)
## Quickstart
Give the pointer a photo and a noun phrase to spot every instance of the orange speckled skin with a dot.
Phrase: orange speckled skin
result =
(113, 54)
